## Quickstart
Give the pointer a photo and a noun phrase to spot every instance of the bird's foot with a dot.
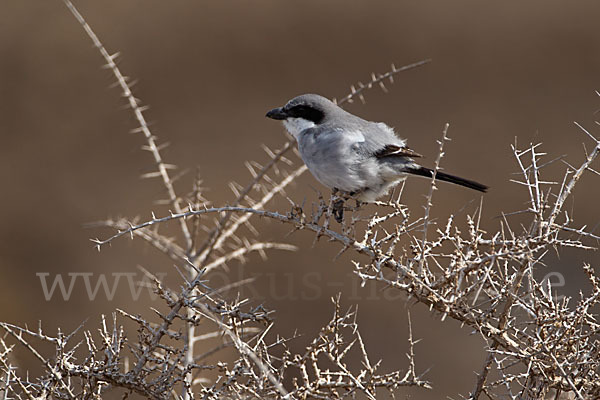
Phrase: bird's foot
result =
(339, 202)
(338, 210)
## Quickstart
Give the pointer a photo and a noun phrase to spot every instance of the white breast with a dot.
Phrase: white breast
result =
(296, 125)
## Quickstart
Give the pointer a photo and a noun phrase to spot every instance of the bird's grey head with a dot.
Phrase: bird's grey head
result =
(303, 112)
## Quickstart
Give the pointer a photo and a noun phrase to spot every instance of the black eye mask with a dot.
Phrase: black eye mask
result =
(307, 112)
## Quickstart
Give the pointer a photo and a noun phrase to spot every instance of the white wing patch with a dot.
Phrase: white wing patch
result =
(354, 136)
(295, 126)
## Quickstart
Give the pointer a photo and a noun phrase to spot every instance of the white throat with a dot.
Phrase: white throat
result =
(295, 126)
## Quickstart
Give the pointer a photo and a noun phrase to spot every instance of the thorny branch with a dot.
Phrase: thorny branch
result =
(538, 346)
(138, 111)
(479, 283)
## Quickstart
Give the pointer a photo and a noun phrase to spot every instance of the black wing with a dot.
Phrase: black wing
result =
(393, 150)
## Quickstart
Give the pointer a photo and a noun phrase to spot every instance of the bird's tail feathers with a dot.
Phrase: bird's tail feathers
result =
(428, 173)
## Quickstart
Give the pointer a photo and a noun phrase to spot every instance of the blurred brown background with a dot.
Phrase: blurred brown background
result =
(209, 71)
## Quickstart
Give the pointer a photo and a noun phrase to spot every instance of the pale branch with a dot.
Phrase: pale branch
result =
(245, 350)
(568, 188)
(163, 244)
(218, 231)
(378, 80)
(138, 110)
(428, 199)
(224, 234)
(248, 248)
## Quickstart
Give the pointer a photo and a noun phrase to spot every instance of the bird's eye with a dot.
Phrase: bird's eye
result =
(306, 112)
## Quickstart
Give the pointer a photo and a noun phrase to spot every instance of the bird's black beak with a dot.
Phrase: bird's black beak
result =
(277, 113)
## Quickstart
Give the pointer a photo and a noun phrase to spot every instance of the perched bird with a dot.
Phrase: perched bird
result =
(347, 153)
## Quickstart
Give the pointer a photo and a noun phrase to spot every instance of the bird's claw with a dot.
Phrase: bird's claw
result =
(338, 210)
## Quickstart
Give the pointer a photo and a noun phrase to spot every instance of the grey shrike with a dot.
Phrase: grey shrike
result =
(344, 152)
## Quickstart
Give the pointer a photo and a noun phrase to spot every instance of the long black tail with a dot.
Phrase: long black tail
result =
(428, 173)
